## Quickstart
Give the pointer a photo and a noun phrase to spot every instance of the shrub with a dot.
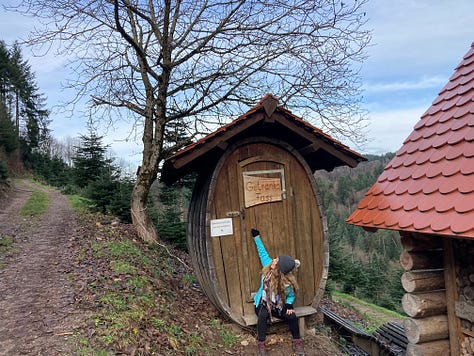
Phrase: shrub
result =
(3, 171)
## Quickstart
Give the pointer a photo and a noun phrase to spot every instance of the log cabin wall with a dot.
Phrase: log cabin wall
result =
(425, 303)
(439, 281)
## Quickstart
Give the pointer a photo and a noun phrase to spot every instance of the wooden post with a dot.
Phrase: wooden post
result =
(424, 304)
(451, 297)
(422, 281)
(302, 325)
(435, 348)
(426, 329)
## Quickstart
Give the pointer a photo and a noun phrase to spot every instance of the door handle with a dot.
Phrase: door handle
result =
(233, 214)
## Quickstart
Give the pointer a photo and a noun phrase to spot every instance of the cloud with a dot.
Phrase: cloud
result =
(423, 83)
(388, 129)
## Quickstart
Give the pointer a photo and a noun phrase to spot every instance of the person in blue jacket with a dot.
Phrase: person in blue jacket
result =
(276, 295)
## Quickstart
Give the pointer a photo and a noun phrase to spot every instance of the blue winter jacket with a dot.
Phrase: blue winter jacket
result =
(265, 259)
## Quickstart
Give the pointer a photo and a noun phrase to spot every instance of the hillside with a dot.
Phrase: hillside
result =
(82, 283)
(363, 264)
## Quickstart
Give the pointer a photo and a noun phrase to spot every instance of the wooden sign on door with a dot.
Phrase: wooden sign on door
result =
(261, 190)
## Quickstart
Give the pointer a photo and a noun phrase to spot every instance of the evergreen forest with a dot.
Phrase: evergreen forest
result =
(362, 264)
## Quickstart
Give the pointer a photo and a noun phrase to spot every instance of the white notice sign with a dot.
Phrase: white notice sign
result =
(221, 227)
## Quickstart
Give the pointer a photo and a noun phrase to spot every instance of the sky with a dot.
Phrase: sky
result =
(416, 45)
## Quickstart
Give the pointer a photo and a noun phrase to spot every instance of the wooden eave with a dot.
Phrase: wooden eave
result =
(266, 119)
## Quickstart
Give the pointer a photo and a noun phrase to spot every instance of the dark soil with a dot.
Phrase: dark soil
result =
(43, 304)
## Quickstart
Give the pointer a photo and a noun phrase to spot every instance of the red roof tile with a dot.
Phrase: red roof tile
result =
(428, 187)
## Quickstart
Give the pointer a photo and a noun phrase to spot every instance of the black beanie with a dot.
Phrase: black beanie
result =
(286, 263)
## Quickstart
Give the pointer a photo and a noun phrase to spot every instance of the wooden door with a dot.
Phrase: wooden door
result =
(289, 224)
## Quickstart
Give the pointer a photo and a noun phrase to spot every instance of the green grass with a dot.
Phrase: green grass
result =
(374, 315)
(5, 243)
(228, 337)
(36, 205)
(78, 203)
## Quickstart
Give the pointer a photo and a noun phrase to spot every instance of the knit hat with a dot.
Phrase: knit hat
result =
(287, 263)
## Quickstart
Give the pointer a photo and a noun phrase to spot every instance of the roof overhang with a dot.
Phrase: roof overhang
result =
(266, 119)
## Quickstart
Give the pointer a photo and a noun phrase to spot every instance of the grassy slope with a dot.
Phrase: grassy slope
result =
(372, 316)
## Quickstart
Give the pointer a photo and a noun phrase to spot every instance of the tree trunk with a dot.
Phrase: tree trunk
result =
(140, 217)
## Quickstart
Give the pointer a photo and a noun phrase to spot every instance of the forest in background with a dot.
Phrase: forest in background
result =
(361, 263)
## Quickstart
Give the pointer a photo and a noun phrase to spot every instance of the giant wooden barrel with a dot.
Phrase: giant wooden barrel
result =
(258, 183)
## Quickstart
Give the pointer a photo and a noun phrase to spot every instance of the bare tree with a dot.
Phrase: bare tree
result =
(200, 61)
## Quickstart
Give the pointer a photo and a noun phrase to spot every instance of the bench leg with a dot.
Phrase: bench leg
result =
(302, 325)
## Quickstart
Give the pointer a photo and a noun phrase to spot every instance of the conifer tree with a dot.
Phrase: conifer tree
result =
(8, 133)
(90, 162)
(21, 101)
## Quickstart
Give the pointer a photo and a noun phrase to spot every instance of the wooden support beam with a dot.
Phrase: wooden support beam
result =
(426, 329)
(451, 295)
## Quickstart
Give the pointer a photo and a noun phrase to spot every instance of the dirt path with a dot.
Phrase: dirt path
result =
(36, 299)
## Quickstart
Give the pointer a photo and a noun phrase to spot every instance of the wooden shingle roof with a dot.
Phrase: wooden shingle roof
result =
(266, 119)
(428, 187)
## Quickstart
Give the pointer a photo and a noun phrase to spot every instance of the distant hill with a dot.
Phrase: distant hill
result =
(361, 263)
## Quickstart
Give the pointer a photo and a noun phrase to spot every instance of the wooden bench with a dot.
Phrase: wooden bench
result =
(301, 313)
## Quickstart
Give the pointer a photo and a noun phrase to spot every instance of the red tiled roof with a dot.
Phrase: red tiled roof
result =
(428, 187)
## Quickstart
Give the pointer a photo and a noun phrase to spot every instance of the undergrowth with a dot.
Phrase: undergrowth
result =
(133, 290)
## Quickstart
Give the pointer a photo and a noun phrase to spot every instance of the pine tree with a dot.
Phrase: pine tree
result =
(90, 162)
(22, 106)
(8, 133)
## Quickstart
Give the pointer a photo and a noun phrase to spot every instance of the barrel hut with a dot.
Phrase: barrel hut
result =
(427, 193)
(257, 172)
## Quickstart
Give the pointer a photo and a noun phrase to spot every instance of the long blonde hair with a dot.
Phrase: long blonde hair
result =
(279, 281)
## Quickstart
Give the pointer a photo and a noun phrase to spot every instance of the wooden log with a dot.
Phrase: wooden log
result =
(410, 243)
(421, 260)
(468, 292)
(422, 281)
(426, 329)
(437, 348)
(421, 305)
